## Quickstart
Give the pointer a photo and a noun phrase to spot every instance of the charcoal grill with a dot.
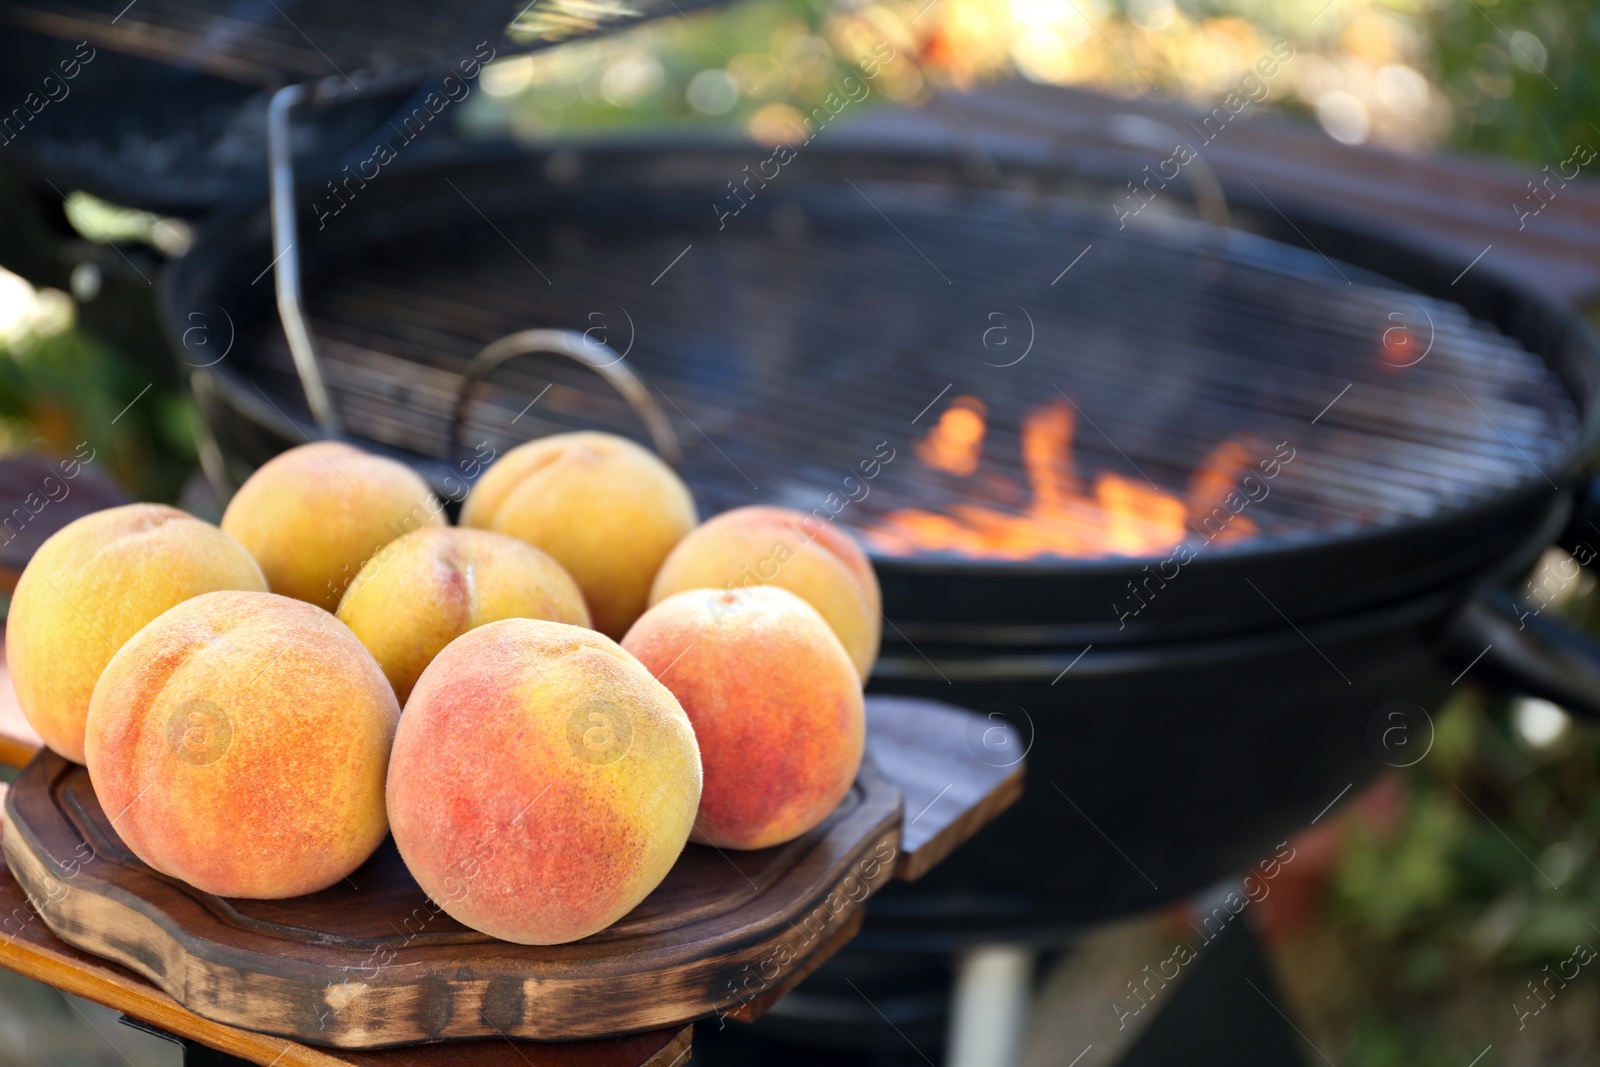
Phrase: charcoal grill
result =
(1437, 428)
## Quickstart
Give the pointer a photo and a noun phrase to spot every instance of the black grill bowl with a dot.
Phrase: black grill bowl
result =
(845, 307)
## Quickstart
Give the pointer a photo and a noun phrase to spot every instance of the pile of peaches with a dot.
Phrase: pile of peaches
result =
(237, 693)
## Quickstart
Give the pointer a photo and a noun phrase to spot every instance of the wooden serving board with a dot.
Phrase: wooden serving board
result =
(29, 948)
(371, 963)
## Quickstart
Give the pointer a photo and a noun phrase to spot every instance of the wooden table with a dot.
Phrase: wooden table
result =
(28, 948)
(1457, 202)
(31, 950)
(922, 748)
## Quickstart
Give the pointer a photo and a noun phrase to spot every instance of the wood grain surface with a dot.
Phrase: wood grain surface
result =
(29, 948)
(372, 963)
(957, 771)
(1458, 202)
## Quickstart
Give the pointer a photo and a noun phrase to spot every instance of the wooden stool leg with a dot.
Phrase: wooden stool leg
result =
(989, 1007)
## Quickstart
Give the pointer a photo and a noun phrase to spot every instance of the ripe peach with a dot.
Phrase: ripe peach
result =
(424, 590)
(542, 782)
(775, 702)
(240, 742)
(754, 546)
(90, 587)
(313, 515)
(605, 508)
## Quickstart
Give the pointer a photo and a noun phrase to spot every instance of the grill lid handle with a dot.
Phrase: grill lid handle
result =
(286, 267)
(1518, 650)
(597, 356)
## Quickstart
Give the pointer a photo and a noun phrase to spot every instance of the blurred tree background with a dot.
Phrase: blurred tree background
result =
(1440, 925)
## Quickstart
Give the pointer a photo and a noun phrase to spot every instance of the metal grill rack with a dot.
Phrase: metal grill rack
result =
(843, 311)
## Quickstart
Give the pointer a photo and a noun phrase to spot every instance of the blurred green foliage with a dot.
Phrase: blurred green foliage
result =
(1522, 75)
(1448, 924)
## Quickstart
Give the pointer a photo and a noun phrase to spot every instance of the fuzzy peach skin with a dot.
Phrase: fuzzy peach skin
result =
(775, 702)
(424, 590)
(313, 515)
(90, 587)
(542, 782)
(754, 546)
(240, 741)
(608, 511)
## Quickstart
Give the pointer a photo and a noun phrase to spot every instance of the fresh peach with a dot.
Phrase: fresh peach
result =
(424, 590)
(313, 515)
(775, 702)
(755, 546)
(608, 511)
(542, 782)
(92, 585)
(239, 742)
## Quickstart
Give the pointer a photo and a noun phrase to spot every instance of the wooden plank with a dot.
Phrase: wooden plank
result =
(29, 948)
(957, 771)
(751, 1010)
(1458, 201)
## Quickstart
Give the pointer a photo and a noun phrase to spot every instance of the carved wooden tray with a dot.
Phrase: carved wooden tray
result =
(371, 963)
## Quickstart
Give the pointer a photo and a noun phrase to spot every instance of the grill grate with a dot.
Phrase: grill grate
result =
(787, 346)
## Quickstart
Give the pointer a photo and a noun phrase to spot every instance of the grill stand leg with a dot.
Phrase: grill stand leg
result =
(989, 1007)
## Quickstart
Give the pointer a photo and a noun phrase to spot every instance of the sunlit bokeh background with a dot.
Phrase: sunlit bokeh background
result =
(1407, 75)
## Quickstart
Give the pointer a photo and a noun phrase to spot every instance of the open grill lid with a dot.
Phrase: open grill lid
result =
(170, 96)
(364, 44)
(845, 314)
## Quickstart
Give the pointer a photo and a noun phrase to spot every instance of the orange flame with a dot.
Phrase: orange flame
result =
(1121, 517)
(955, 444)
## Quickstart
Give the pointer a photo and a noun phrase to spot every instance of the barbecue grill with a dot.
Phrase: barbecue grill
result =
(1321, 451)
(1199, 508)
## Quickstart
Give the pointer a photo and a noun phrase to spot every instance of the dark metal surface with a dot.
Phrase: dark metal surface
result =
(168, 98)
(1512, 645)
(143, 133)
(270, 43)
(1153, 775)
(360, 44)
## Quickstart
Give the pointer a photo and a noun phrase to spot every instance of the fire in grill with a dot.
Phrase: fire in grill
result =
(1165, 389)
(1119, 516)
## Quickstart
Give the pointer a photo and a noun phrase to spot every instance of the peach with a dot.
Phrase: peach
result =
(775, 703)
(239, 742)
(755, 546)
(313, 515)
(92, 585)
(424, 590)
(542, 782)
(608, 511)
